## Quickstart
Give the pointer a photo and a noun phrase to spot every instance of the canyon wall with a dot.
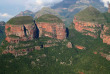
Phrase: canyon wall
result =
(53, 30)
(87, 28)
(19, 32)
(105, 34)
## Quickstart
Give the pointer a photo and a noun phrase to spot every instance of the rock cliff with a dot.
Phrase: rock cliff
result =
(89, 22)
(105, 35)
(51, 26)
(105, 32)
(87, 28)
(20, 28)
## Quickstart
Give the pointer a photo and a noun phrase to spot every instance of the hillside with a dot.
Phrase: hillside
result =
(20, 20)
(46, 10)
(49, 18)
(46, 46)
(90, 14)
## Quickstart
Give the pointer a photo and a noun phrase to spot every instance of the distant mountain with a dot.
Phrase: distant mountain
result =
(46, 10)
(26, 13)
(2, 23)
(68, 8)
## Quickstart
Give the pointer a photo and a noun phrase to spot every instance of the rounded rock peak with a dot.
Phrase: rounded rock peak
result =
(89, 14)
(49, 18)
(20, 20)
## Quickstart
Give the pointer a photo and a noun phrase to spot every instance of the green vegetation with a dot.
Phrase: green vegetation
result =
(8, 29)
(49, 19)
(59, 59)
(14, 36)
(107, 17)
(90, 14)
(46, 10)
(21, 20)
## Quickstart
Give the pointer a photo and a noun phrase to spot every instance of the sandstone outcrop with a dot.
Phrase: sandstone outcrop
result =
(80, 47)
(88, 22)
(23, 31)
(105, 35)
(87, 28)
(51, 26)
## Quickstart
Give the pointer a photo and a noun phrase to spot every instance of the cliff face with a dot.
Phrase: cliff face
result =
(14, 33)
(105, 35)
(53, 30)
(87, 28)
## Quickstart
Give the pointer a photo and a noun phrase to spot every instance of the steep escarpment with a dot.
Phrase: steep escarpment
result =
(89, 21)
(51, 26)
(20, 28)
(105, 33)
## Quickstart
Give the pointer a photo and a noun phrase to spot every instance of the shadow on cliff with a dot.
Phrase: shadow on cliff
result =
(25, 30)
(67, 32)
(1, 32)
(36, 33)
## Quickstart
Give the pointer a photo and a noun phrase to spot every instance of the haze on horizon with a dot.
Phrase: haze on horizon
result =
(9, 8)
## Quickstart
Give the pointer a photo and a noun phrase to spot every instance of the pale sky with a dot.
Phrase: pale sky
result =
(10, 8)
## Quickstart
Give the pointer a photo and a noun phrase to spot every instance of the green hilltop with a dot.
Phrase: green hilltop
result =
(49, 19)
(21, 20)
(90, 14)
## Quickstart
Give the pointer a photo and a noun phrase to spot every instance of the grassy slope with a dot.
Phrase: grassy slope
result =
(49, 18)
(21, 20)
(90, 14)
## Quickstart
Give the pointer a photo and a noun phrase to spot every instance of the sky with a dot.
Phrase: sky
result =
(10, 8)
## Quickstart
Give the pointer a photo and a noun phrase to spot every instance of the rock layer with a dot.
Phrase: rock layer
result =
(87, 28)
(14, 33)
(53, 30)
(105, 35)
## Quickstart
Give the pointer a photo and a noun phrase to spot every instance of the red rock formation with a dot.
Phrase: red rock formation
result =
(53, 30)
(105, 35)
(87, 28)
(80, 47)
(18, 31)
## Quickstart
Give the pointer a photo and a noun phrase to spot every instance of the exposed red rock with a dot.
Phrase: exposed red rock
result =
(105, 35)
(81, 73)
(87, 28)
(80, 47)
(18, 30)
(52, 30)
(37, 47)
(95, 52)
(105, 56)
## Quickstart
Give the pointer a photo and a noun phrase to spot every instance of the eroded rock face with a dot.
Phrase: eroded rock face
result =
(105, 35)
(24, 32)
(52, 30)
(80, 47)
(87, 28)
